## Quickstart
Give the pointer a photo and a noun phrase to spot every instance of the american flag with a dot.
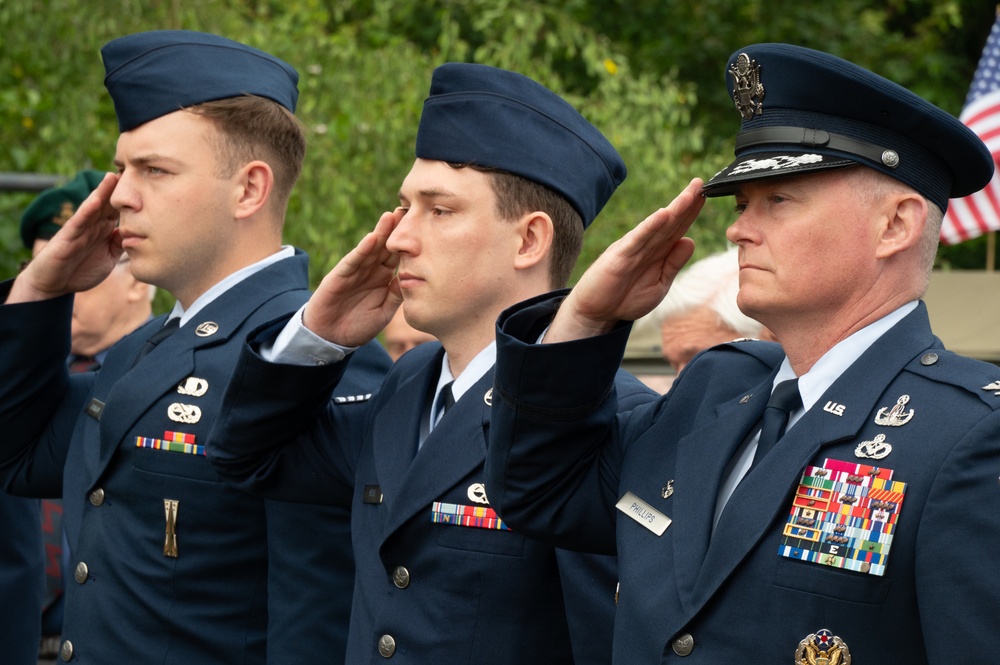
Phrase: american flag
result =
(979, 213)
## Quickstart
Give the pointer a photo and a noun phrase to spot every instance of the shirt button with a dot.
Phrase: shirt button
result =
(66, 652)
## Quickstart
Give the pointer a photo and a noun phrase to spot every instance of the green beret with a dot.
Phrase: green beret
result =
(50, 210)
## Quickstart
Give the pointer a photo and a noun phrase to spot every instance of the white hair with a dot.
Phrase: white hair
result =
(712, 282)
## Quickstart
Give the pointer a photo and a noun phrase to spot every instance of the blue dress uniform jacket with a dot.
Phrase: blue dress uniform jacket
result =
(425, 591)
(86, 436)
(21, 580)
(694, 596)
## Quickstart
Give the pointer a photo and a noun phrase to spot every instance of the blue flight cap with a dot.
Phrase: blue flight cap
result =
(803, 110)
(494, 118)
(151, 74)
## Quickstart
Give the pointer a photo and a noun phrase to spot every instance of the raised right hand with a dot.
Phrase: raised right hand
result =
(79, 257)
(359, 296)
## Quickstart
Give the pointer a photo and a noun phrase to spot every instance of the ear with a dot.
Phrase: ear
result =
(902, 225)
(535, 234)
(254, 183)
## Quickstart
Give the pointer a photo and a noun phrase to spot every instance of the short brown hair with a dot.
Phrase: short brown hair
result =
(517, 196)
(252, 128)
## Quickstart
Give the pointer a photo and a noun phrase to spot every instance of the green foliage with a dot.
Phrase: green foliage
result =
(647, 73)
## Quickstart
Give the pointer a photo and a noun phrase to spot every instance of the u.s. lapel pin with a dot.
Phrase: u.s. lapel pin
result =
(207, 329)
(897, 415)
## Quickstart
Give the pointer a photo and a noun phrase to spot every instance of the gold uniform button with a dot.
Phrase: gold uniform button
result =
(66, 652)
(401, 577)
(81, 572)
(97, 497)
(683, 645)
(386, 646)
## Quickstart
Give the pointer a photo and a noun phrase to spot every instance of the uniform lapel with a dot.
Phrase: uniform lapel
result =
(455, 448)
(702, 474)
(396, 428)
(141, 385)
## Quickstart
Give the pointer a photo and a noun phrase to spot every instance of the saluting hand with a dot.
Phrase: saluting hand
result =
(360, 295)
(80, 256)
(633, 275)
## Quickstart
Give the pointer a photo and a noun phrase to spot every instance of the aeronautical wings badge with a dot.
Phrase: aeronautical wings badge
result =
(748, 91)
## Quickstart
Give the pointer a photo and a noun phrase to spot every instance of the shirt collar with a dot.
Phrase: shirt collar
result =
(835, 362)
(286, 251)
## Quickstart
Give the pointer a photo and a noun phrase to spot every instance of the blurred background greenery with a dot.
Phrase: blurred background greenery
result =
(648, 73)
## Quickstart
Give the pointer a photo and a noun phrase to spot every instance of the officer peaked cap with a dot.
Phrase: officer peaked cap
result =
(803, 110)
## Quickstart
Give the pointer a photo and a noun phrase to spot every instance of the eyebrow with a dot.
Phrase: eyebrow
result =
(144, 160)
(430, 194)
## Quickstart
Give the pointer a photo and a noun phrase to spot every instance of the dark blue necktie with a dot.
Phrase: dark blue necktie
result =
(166, 331)
(447, 398)
(784, 400)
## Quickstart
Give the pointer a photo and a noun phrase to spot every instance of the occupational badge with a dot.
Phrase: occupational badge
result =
(877, 448)
(843, 515)
(193, 387)
(477, 494)
(184, 413)
(897, 415)
(488, 397)
(822, 648)
(994, 386)
(748, 91)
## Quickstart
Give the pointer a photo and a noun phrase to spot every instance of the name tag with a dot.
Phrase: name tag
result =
(95, 408)
(643, 513)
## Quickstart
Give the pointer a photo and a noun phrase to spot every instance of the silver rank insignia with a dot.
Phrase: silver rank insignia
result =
(477, 494)
(822, 648)
(877, 448)
(207, 329)
(748, 91)
(193, 387)
(352, 399)
(897, 415)
(184, 413)
(994, 386)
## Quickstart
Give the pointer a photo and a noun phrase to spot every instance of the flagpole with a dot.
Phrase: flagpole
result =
(991, 251)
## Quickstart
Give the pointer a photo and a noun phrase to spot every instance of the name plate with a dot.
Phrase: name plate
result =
(643, 513)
